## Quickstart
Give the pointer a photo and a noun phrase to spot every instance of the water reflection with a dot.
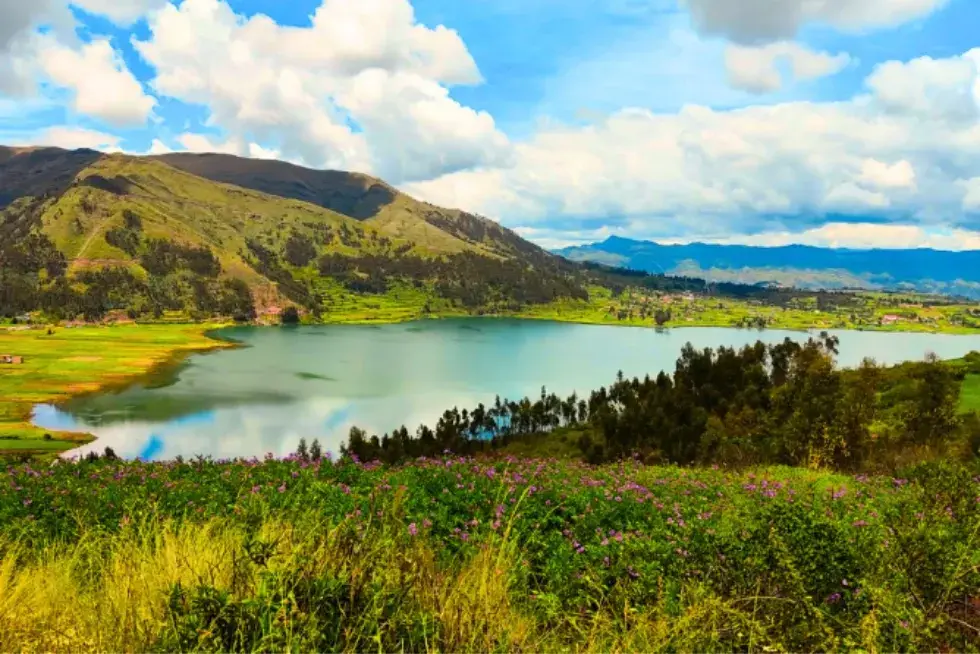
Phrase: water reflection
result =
(317, 382)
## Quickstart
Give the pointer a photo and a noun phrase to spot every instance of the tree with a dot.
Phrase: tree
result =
(290, 316)
(932, 415)
(299, 251)
(662, 317)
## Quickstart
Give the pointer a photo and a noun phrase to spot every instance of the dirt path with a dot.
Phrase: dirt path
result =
(88, 242)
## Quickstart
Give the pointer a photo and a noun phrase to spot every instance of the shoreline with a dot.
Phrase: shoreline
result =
(49, 377)
(205, 338)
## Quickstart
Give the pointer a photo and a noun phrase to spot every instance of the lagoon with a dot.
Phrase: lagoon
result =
(319, 381)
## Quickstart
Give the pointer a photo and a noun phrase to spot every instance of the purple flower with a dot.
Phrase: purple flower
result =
(282, 489)
(412, 529)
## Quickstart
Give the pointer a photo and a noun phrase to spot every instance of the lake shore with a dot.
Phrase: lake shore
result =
(72, 362)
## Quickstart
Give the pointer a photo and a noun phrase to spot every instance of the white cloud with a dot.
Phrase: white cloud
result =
(191, 142)
(299, 88)
(755, 69)
(861, 236)
(203, 143)
(852, 198)
(103, 86)
(71, 138)
(945, 88)
(751, 22)
(121, 12)
(761, 168)
(971, 195)
(900, 175)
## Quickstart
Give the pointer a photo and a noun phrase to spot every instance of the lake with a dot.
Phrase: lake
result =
(318, 382)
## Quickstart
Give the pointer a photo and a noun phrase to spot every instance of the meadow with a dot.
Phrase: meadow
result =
(970, 395)
(507, 554)
(74, 361)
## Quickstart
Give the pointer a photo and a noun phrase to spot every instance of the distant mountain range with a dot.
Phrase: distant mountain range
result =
(802, 266)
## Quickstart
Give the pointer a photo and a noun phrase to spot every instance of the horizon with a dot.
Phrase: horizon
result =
(842, 125)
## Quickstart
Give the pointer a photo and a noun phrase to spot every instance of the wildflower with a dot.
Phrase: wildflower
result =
(412, 529)
(833, 598)
(282, 488)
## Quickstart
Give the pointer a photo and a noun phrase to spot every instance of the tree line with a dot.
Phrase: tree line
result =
(787, 403)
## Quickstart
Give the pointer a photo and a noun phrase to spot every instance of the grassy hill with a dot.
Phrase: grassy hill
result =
(178, 230)
(364, 198)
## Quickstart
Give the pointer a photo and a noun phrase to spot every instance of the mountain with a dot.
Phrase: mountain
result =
(802, 266)
(82, 232)
(361, 197)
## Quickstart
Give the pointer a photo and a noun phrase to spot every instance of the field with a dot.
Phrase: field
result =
(72, 361)
(970, 397)
(492, 555)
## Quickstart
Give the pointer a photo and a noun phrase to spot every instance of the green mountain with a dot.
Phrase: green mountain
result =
(83, 232)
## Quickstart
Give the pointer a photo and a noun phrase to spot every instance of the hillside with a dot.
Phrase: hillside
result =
(929, 271)
(203, 233)
(363, 198)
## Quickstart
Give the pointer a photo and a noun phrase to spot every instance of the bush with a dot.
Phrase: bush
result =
(290, 316)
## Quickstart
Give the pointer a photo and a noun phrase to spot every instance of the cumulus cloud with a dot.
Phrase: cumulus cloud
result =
(971, 195)
(756, 69)
(102, 85)
(71, 138)
(760, 168)
(751, 22)
(121, 12)
(877, 174)
(94, 70)
(932, 88)
(300, 89)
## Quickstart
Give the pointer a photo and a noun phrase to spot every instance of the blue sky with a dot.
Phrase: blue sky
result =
(568, 120)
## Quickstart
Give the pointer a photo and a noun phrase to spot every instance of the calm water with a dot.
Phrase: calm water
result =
(317, 382)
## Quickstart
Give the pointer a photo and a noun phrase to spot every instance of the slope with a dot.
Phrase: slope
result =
(179, 237)
(365, 198)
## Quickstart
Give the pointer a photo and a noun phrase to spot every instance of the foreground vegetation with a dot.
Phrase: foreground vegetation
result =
(59, 363)
(455, 554)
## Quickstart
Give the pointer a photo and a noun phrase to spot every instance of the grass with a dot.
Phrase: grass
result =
(492, 555)
(69, 362)
(970, 395)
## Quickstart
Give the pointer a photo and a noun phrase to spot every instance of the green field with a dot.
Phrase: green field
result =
(463, 555)
(68, 362)
(970, 398)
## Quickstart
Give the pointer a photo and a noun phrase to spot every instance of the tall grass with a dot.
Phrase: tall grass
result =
(436, 557)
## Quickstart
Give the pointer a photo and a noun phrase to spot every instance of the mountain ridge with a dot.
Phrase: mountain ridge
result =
(803, 266)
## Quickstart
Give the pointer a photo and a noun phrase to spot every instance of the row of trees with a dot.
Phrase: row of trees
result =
(786, 403)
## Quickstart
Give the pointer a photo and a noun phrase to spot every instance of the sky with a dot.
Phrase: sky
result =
(843, 123)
